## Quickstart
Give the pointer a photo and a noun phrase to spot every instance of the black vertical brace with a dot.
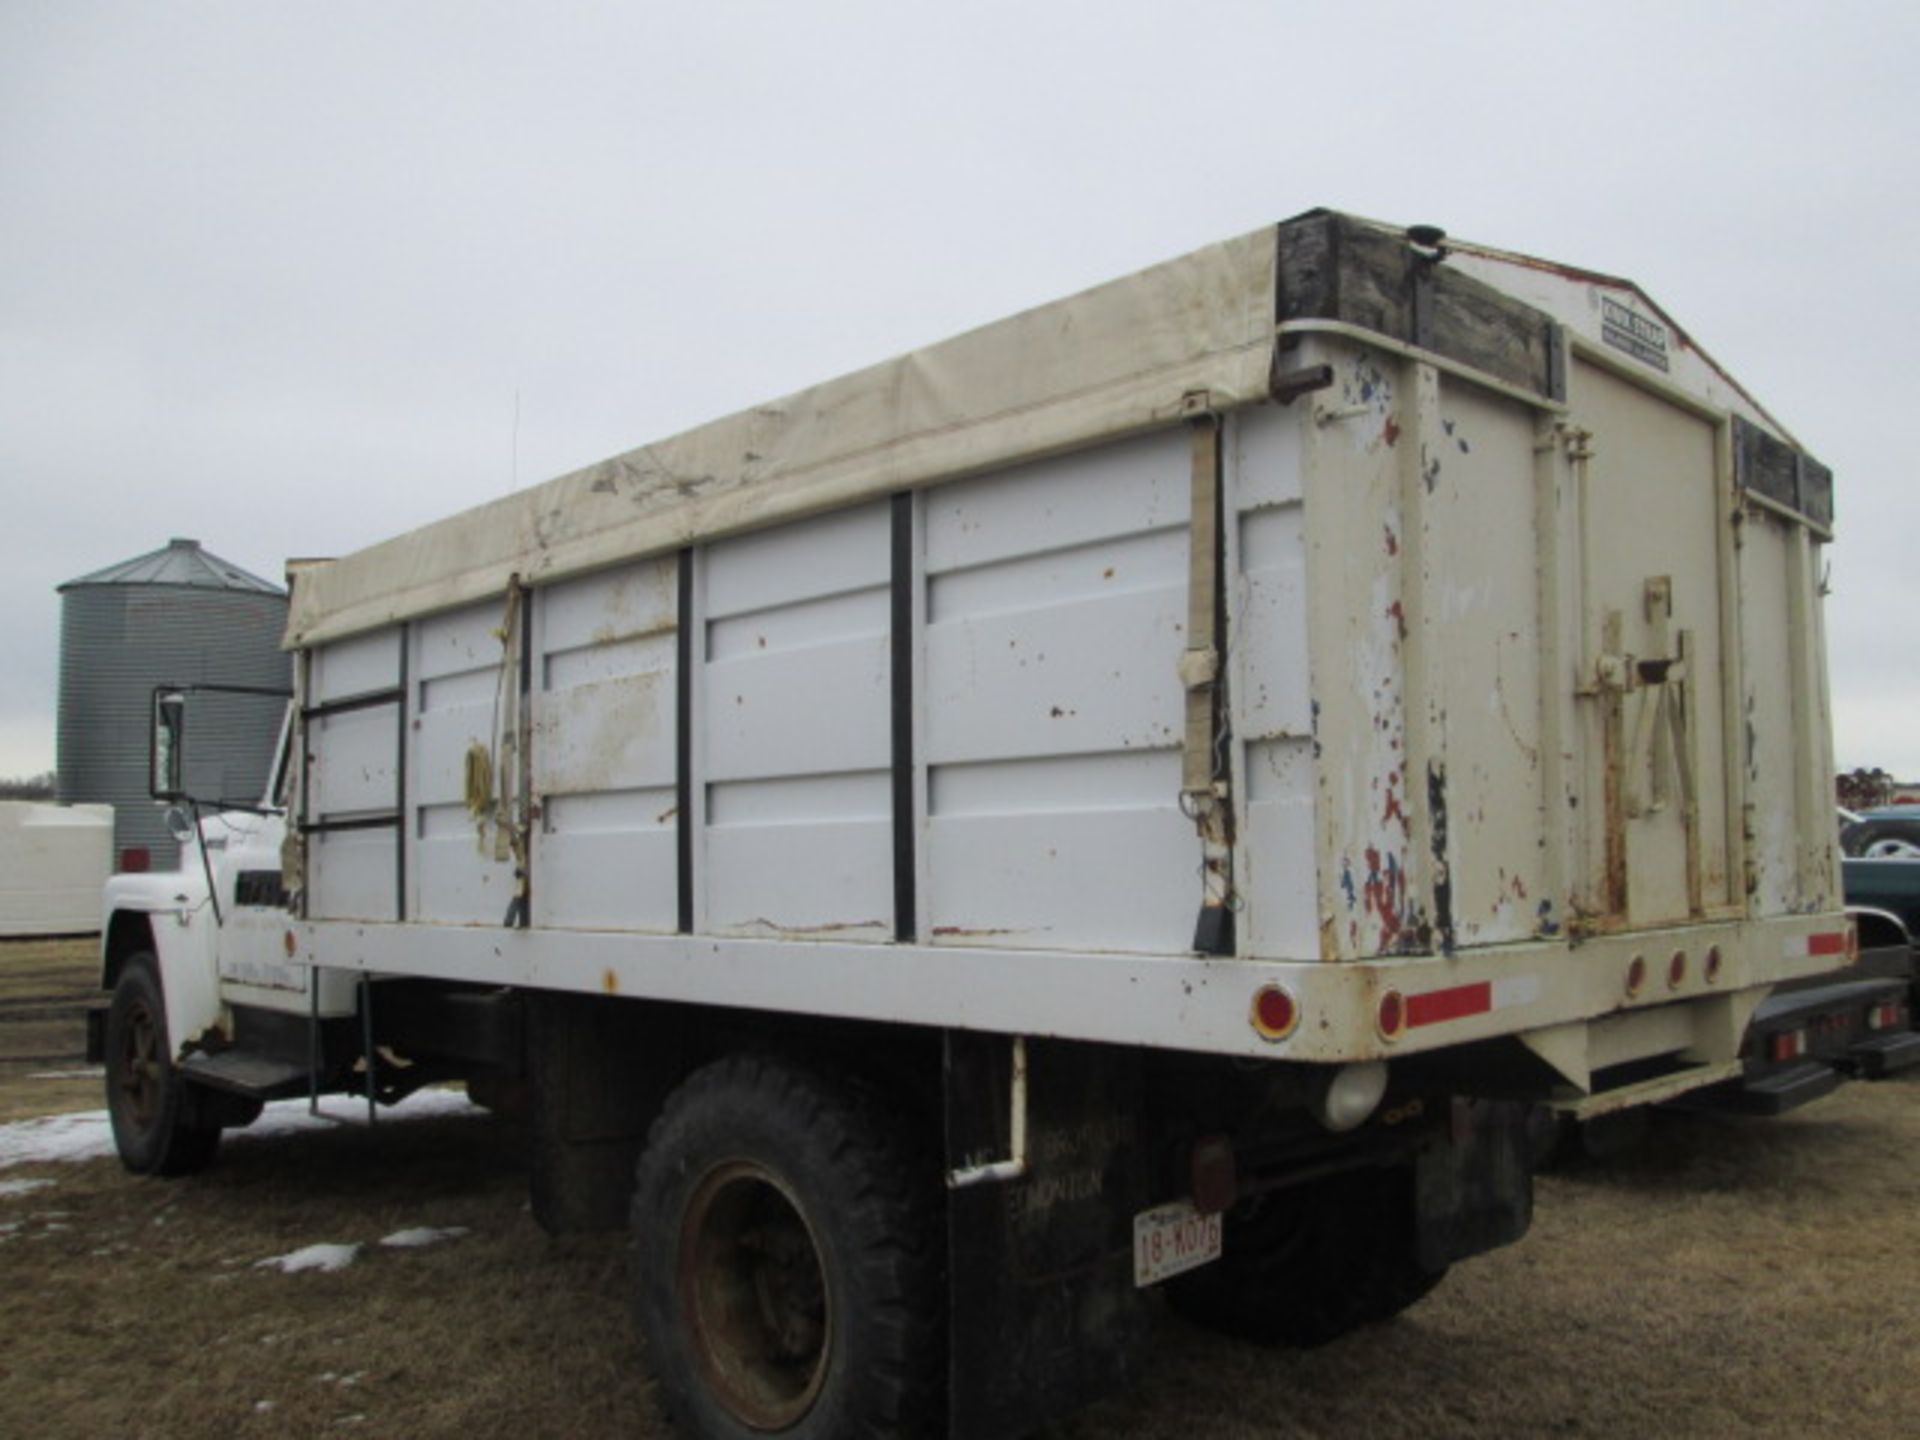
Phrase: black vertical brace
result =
(905, 860)
(523, 756)
(683, 740)
(300, 738)
(402, 829)
(1215, 932)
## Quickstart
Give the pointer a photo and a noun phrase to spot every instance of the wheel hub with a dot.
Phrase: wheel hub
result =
(753, 1295)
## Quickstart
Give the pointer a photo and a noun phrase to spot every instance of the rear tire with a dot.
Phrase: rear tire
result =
(786, 1239)
(157, 1127)
(1305, 1265)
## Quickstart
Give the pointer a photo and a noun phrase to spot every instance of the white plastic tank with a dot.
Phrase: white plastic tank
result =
(54, 859)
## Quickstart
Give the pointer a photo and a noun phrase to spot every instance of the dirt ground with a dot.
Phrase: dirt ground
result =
(1734, 1277)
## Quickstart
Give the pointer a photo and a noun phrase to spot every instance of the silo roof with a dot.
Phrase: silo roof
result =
(178, 562)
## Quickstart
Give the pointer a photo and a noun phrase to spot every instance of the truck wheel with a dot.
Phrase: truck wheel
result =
(785, 1244)
(1307, 1264)
(155, 1127)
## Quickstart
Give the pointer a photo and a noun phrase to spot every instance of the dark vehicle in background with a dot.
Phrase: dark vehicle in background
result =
(1810, 1035)
(1883, 895)
(1890, 832)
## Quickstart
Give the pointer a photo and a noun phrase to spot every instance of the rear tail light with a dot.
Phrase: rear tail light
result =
(1787, 1045)
(1274, 1013)
(1886, 1016)
(1392, 1015)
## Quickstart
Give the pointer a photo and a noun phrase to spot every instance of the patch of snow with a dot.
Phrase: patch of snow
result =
(87, 1135)
(261, 1407)
(324, 1258)
(97, 1072)
(22, 1187)
(422, 1235)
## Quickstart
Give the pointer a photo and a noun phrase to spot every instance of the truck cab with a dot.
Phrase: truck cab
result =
(212, 1013)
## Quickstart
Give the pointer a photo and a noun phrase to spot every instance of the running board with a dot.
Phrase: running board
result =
(258, 1077)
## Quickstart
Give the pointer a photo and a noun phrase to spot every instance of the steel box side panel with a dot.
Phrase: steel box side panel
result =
(1480, 570)
(795, 693)
(603, 753)
(351, 772)
(1766, 729)
(1373, 873)
(1269, 687)
(456, 696)
(1651, 514)
(1056, 607)
(350, 875)
(1785, 732)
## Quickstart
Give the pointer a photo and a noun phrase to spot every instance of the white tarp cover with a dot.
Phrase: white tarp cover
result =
(1111, 361)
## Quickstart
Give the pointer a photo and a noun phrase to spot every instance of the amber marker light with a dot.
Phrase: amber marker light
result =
(1273, 1013)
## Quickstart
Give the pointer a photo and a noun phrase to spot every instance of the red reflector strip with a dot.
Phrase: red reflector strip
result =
(1830, 943)
(1450, 1004)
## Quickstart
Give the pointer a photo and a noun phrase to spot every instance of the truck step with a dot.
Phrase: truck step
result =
(257, 1076)
(1771, 1094)
(1885, 1055)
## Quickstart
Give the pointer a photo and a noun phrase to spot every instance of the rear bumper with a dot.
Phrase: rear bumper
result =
(1885, 1055)
(1773, 1092)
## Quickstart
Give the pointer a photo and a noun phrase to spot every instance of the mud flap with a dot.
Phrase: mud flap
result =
(1045, 1316)
(1474, 1186)
(597, 1075)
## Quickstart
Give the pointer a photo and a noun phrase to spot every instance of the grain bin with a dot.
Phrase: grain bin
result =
(175, 616)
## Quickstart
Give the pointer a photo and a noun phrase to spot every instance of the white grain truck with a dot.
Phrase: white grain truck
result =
(1143, 791)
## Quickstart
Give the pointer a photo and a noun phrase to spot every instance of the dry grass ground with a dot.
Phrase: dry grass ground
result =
(1736, 1277)
(45, 987)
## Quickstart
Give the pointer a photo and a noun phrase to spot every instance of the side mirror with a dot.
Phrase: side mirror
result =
(168, 754)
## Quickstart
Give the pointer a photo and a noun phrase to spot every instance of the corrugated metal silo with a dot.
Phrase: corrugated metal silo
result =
(176, 616)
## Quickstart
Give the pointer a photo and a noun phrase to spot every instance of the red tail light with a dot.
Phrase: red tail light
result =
(1787, 1045)
(1274, 1013)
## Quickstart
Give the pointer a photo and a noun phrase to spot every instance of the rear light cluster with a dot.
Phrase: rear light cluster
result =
(1787, 1045)
(1888, 1015)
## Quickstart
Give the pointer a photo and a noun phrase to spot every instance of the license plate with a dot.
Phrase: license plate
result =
(1170, 1239)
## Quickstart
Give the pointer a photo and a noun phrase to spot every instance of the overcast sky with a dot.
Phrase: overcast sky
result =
(272, 274)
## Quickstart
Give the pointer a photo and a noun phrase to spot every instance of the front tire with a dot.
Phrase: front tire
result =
(785, 1240)
(155, 1125)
